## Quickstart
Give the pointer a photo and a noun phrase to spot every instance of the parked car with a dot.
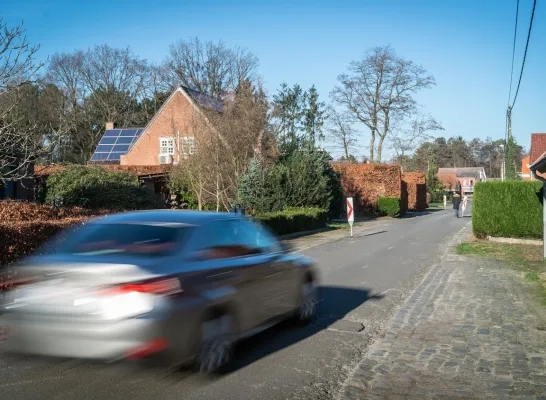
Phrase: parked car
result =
(175, 286)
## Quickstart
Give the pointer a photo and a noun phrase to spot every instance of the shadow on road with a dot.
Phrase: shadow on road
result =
(335, 304)
(373, 233)
(413, 214)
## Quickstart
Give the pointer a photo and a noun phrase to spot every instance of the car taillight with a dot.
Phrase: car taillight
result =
(160, 287)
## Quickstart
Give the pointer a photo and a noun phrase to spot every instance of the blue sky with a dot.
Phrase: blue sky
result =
(465, 44)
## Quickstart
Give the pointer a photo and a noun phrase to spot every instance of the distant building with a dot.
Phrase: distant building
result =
(525, 171)
(467, 177)
(538, 147)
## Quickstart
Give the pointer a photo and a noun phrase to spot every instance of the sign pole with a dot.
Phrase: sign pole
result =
(350, 213)
(445, 202)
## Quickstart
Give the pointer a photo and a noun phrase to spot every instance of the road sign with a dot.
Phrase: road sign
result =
(350, 213)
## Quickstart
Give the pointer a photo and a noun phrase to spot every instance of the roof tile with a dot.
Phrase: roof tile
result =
(538, 146)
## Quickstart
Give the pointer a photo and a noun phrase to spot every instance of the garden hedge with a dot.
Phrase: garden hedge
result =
(366, 183)
(20, 239)
(99, 188)
(391, 206)
(294, 220)
(414, 191)
(510, 209)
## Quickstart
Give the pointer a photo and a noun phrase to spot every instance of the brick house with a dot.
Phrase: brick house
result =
(538, 147)
(466, 177)
(151, 151)
(165, 140)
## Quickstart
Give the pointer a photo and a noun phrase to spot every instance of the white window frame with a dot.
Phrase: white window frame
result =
(166, 146)
(188, 145)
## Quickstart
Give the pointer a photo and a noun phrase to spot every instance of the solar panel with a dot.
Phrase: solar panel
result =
(125, 140)
(120, 148)
(205, 100)
(108, 140)
(115, 143)
(104, 148)
(128, 132)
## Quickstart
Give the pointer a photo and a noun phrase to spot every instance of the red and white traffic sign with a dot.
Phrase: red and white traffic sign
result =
(350, 213)
(350, 210)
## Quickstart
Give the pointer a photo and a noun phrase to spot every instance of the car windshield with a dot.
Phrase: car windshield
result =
(140, 239)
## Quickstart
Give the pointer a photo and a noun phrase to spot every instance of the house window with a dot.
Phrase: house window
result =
(188, 146)
(166, 146)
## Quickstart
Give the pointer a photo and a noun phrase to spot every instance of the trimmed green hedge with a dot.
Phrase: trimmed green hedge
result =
(510, 209)
(391, 206)
(98, 188)
(293, 220)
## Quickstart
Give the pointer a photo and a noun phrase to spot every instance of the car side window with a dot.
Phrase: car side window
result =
(258, 237)
(224, 239)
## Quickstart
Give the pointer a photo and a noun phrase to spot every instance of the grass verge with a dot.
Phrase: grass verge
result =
(527, 258)
(342, 225)
(435, 205)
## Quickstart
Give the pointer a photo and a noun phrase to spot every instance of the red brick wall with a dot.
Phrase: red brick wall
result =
(367, 182)
(177, 115)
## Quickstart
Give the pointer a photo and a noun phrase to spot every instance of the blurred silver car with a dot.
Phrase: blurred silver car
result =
(174, 286)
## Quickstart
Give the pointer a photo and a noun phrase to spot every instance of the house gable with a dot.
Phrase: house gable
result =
(164, 132)
(538, 146)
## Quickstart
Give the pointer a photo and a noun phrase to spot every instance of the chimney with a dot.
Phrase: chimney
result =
(109, 126)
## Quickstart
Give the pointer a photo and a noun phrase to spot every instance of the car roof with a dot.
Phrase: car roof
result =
(167, 216)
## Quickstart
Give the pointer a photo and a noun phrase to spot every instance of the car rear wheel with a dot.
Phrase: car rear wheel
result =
(307, 309)
(217, 344)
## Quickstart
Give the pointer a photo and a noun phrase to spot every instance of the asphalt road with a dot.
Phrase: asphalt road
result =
(363, 279)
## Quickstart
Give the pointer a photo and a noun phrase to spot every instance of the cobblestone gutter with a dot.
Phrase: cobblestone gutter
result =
(468, 331)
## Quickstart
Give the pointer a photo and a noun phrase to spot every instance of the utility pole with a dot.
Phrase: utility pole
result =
(508, 159)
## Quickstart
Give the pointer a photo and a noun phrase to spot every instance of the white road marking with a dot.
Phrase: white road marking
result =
(392, 247)
(365, 266)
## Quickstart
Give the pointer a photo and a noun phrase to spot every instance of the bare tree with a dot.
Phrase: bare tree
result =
(202, 170)
(341, 132)
(100, 84)
(211, 67)
(378, 90)
(243, 124)
(405, 141)
(225, 143)
(20, 144)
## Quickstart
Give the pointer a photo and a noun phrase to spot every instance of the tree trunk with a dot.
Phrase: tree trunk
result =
(380, 148)
(372, 145)
(346, 149)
